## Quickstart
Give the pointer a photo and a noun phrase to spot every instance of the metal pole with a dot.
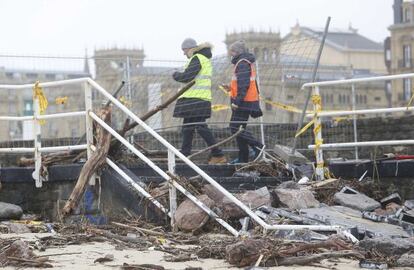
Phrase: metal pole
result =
(314, 72)
(355, 121)
(320, 175)
(128, 78)
(37, 143)
(172, 190)
(261, 117)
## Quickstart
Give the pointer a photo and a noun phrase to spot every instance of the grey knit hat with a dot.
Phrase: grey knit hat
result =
(238, 47)
(188, 43)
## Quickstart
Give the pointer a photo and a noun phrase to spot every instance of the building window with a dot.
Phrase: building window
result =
(365, 100)
(274, 56)
(407, 15)
(265, 55)
(377, 98)
(50, 76)
(387, 55)
(32, 75)
(290, 97)
(407, 56)
(407, 89)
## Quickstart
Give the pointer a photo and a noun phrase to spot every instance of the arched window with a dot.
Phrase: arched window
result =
(274, 56)
(265, 55)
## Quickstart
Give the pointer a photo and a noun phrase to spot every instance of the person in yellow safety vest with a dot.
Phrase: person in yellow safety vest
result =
(194, 106)
(244, 99)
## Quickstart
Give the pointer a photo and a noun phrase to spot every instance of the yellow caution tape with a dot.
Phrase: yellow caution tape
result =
(411, 100)
(305, 128)
(40, 96)
(61, 100)
(219, 107)
(125, 101)
(224, 90)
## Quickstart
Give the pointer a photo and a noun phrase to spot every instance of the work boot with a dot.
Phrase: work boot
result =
(217, 160)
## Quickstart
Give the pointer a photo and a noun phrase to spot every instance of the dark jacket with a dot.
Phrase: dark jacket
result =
(193, 107)
(243, 73)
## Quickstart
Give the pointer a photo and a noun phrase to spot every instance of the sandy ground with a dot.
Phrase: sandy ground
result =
(89, 252)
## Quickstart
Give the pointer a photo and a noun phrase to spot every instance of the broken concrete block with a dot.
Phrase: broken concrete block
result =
(285, 153)
(295, 199)
(189, 217)
(409, 204)
(406, 260)
(356, 201)
(10, 211)
(246, 252)
(407, 218)
(393, 198)
(387, 246)
(289, 185)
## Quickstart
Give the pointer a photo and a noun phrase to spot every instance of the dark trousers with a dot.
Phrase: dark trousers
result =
(245, 139)
(192, 124)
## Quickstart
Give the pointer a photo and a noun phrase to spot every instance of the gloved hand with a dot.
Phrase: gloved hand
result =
(234, 107)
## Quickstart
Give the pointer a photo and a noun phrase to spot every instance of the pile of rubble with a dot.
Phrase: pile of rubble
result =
(373, 231)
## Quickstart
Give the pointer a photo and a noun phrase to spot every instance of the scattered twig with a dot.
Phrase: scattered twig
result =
(217, 144)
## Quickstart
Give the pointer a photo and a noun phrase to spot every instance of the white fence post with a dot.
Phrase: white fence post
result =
(172, 190)
(318, 136)
(89, 126)
(355, 121)
(37, 143)
(262, 135)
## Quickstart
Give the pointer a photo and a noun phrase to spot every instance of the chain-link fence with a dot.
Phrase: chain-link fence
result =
(282, 67)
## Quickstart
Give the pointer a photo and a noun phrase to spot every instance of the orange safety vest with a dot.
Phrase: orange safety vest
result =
(252, 92)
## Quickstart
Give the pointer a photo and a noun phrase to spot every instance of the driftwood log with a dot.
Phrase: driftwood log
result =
(97, 159)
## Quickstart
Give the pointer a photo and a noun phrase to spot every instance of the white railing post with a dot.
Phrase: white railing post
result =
(318, 135)
(262, 135)
(172, 190)
(89, 125)
(355, 121)
(37, 142)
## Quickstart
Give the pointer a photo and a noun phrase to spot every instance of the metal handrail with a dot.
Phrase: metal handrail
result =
(359, 80)
(173, 153)
(317, 115)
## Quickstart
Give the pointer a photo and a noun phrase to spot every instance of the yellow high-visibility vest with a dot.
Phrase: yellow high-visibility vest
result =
(202, 87)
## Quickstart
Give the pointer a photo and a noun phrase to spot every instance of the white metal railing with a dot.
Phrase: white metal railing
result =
(317, 115)
(173, 153)
(37, 150)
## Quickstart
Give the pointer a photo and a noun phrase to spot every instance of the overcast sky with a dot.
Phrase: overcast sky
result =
(67, 27)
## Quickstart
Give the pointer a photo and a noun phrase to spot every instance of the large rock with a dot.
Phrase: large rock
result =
(251, 198)
(388, 246)
(406, 260)
(10, 211)
(246, 252)
(357, 201)
(213, 193)
(295, 198)
(189, 217)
